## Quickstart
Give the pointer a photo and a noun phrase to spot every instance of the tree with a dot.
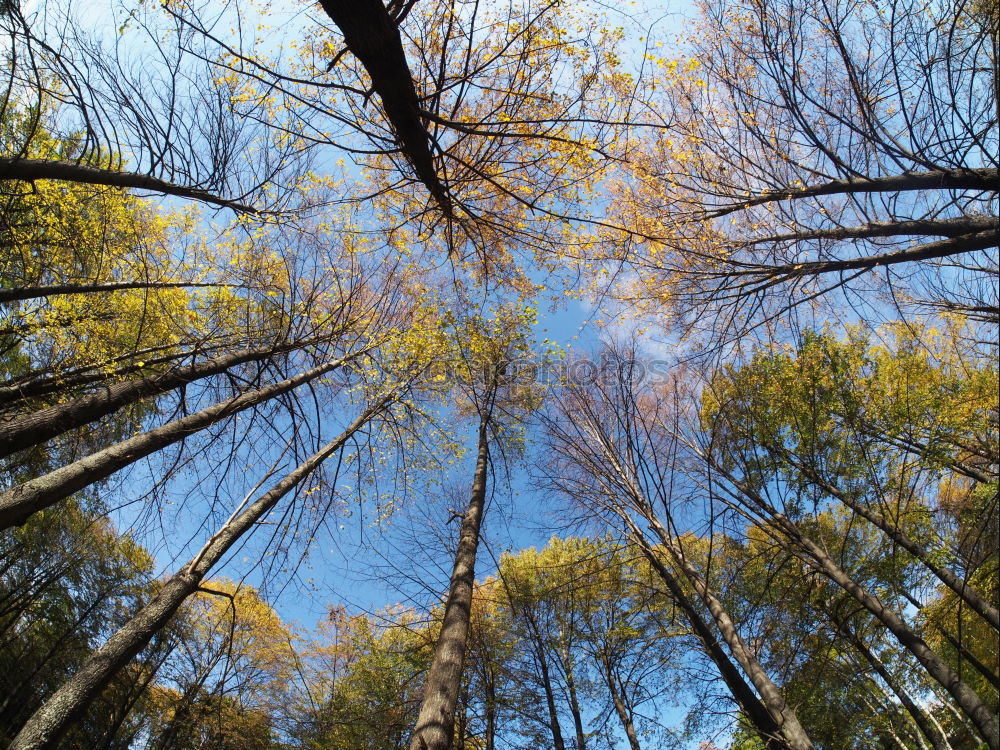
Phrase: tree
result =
(372, 699)
(233, 653)
(818, 148)
(47, 725)
(612, 453)
(482, 130)
(588, 608)
(877, 430)
(67, 580)
(485, 349)
(171, 126)
(295, 312)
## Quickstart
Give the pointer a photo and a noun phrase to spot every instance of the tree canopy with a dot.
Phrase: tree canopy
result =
(601, 377)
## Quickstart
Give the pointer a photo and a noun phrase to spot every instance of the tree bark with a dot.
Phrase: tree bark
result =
(34, 292)
(574, 703)
(45, 424)
(372, 36)
(30, 170)
(976, 601)
(19, 503)
(45, 728)
(620, 708)
(944, 179)
(436, 721)
(771, 696)
(756, 713)
(965, 697)
(911, 708)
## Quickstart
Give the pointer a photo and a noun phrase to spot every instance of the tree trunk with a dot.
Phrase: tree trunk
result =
(45, 424)
(47, 725)
(18, 294)
(918, 716)
(558, 743)
(436, 721)
(29, 170)
(574, 703)
(791, 729)
(624, 716)
(373, 37)
(976, 601)
(813, 555)
(490, 711)
(756, 713)
(46, 381)
(19, 503)
(971, 704)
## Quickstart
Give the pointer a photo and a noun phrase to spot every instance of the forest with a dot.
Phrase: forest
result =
(500, 375)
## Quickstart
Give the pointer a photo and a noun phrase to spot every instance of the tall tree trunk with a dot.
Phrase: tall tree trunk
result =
(976, 601)
(48, 381)
(574, 702)
(624, 715)
(34, 292)
(558, 743)
(29, 170)
(982, 717)
(19, 503)
(436, 721)
(791, 729)
(48, 724)
(971, 704)
(45, 424)
(918, 716)
(756, 713)
(490, 710)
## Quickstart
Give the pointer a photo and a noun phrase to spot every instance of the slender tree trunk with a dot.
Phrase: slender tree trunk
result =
(490, 710)
(918, 716)
(624, 716)
(18, 294)
(970, 657)
(558, 743)
(45, 424)
(940, 730)
(49, 723)
(19, 503)
(462, 721)
(976, 601)
(574, 703)
(756, 713)
(971, 704)
(436, 721)
(791, 729)
(46, 382)
(30, 170)
(982, 717)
